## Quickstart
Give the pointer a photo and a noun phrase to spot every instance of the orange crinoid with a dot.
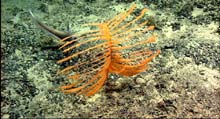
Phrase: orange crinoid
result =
(115, 46)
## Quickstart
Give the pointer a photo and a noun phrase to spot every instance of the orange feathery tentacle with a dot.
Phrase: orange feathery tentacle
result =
(103, 51)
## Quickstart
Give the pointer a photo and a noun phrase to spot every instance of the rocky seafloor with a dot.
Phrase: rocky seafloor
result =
(183, 81)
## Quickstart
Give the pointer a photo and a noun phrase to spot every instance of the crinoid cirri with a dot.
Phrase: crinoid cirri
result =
(118, 45)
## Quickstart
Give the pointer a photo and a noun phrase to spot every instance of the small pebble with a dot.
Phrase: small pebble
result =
(5, 116)
(115, 94)
(140, 81)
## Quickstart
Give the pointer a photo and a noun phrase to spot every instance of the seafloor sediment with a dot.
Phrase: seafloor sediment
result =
(183, 81)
